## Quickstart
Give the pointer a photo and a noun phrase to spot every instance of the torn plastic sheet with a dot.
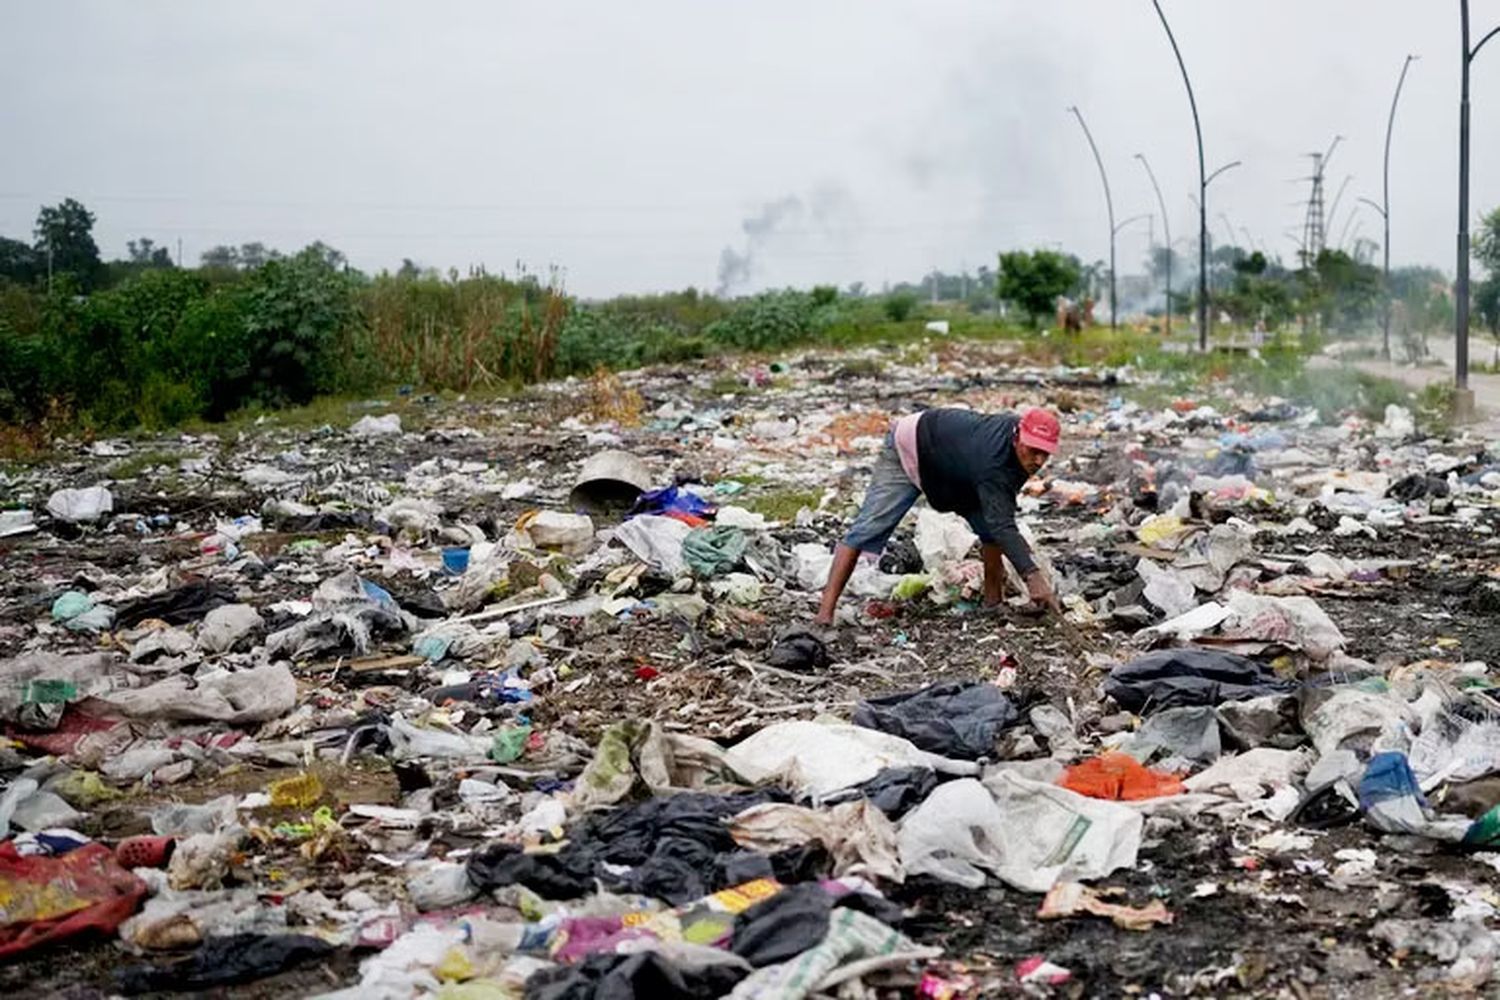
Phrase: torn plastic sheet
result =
(816, 759)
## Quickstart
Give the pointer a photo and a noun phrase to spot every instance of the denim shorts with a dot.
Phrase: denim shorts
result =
(888, 499)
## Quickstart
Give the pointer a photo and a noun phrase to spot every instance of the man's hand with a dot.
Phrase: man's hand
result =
(1039, 588)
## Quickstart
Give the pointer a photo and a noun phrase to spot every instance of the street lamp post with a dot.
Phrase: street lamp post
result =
(1384, 210)
(1167, 231)
(1464, 401)
(1109, 205)
(1203, 235)
(1202, 187)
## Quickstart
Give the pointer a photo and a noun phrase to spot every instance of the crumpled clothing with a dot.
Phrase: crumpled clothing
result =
(647, 975)
(636, 758)
(856, 944)
(677, 848)
(224, 961)
(859, 837)
(714, 551)
(895, 791)
(795, 919)
(672, 499)
(179, 606)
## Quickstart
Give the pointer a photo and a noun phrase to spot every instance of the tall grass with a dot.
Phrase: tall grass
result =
(480, 331)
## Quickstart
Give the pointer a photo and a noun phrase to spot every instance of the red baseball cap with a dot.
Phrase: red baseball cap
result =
(1039, 429)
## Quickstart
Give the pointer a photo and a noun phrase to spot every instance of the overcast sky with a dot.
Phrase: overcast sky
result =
(632, 143)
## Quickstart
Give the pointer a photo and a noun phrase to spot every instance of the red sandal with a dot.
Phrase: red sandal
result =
(144, 852)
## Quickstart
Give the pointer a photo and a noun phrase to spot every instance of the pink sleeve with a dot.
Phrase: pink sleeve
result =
(905, 432)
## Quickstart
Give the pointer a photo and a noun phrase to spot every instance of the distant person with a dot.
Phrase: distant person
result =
(1069, 318)
(968, 463)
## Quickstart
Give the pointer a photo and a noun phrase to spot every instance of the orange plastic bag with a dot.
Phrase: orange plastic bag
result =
(1120, 777)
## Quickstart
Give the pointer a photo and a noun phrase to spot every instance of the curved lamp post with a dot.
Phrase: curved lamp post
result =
(1384, 211)
(1167, 232)
(1202, 187)
(1109, 204)
(1465, 401)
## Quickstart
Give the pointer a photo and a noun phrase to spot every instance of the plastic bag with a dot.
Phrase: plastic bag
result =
(228, 627)
(1166, 588)
(1032, 833)
(76, 506)
(810, 564)
(255, 695)
(374, 427)
(655, 540)
(1296, 622)
(942, 538)
(953, 719)
(815, 759)
(1393, 803)
(1118, 776)
(408, 741)
(569, 533)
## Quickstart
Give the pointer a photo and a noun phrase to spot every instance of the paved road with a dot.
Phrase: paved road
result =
(1486, 387)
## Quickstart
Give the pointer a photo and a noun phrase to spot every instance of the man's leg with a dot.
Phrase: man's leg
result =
(994, 573)
(888, 499)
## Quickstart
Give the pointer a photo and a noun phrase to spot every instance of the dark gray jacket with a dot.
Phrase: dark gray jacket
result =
(968, 465)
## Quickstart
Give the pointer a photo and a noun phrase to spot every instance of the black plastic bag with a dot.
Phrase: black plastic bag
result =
(1182, 678)
(953, 719)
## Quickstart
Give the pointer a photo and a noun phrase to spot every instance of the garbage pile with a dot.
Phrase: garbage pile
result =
(521, 699)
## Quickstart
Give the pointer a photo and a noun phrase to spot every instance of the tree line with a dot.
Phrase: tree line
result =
(141, 340)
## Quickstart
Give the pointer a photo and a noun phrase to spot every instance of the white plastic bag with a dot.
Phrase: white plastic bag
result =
(408, 741)
(1297, 622)
(810, 565)
(957, 828)
(440, 886)
(815, 759)
(225, 627)
(1166, 588)
(81, 505)
(942, 538)
(656, 540)
(1028, 833)
(373, 427)
(553, 529)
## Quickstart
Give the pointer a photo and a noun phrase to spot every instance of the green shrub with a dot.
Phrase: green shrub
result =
(294, 310)
(766, 322)
(899, 307)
